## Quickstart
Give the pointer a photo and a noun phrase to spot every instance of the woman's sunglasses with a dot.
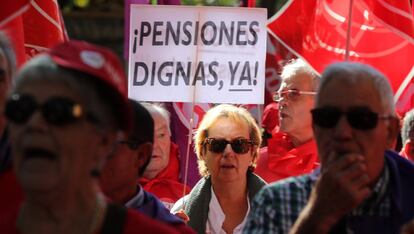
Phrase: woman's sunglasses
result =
(361, 118)
(56, 110)
(239, 145)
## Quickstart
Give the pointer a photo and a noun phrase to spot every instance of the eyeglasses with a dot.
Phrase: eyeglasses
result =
(56, 110)
(239, 145)
(361, 118)
(290, 94)
(133, 145)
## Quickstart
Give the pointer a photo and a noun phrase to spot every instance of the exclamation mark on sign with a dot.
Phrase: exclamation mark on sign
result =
(256, 68)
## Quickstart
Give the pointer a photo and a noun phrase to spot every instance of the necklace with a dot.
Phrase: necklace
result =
(95, 221)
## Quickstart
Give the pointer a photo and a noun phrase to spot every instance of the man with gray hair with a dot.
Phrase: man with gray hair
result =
(407, 135)
(162, 175)
(361, 187)
(292, 150)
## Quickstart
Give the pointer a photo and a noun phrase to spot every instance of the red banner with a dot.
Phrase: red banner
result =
(33, 26)
(317, 30)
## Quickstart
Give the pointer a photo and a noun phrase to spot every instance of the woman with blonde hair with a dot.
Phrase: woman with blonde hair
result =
(227, 143)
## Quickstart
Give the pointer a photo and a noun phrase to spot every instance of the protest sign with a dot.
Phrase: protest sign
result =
(197, 54)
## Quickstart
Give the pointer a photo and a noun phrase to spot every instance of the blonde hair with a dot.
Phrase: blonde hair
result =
(234, 113)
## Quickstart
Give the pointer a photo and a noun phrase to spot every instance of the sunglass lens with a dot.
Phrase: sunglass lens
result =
(325, 117)
(217, 145)
(59, 111)
(19, 108)
(240, 146)
(362, 119)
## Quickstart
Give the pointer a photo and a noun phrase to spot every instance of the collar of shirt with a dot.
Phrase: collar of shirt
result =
(137, 200)
(216, 217)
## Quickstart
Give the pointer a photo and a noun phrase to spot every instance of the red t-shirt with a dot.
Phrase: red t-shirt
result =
(280, 159)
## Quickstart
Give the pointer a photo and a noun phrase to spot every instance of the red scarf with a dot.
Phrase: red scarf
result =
(281, 159)
(166, 185)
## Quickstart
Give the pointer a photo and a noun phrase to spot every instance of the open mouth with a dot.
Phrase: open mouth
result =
(33, 152)
(227, 166)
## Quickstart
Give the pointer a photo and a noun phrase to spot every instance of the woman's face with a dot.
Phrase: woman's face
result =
(51, 155)
(228, 166)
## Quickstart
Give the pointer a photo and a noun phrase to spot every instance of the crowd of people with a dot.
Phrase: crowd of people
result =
(78, 156)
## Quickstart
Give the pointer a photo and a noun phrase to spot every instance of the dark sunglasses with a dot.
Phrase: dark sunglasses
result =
(133, 145)
(361, 118)
(56, 110)
(239, 145)
(290, 94)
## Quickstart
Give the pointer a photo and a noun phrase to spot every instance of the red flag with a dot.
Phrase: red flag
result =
(396, 14)
(32, 26)
(11, 10)
(43, 26)
(316, 30)
(12, 24)
(180, 125)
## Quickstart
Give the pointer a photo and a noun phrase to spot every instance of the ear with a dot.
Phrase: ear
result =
(144, 154)
(393, 130)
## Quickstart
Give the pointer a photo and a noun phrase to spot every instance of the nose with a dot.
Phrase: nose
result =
(342, 130)
(37, 121)
(228, 150)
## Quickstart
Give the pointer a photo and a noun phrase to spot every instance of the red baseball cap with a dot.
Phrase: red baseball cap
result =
(99, 62)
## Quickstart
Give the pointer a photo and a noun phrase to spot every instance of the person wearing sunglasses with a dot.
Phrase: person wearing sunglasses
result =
(162, 175)
(127, 163)
(361, 187)
(226, 143)
(66, 110)
(407, 135)
(291, 150)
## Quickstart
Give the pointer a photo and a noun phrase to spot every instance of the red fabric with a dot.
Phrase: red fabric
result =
(166, 185)
(280, 159)
(11, 198)
(33, 26)
(135, 223)
(270, 117)
(316, 30)
(395, 14)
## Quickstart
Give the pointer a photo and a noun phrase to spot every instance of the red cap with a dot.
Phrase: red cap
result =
(98, 62)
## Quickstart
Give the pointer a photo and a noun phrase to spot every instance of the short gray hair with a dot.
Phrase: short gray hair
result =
(408, 124)
(160, 109)
(297, 67)
(93, 92)
(357, 72)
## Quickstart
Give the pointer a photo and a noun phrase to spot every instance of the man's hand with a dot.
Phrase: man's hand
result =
(343, 185)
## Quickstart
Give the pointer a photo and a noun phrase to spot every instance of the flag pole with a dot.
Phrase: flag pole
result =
(348, 31)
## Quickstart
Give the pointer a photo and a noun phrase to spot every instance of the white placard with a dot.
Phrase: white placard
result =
(200, 54)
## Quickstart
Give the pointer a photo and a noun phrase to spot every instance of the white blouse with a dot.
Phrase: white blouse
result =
(216, 217)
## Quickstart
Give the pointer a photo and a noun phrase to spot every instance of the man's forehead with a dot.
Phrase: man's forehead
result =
(296, 81)
(344, 94)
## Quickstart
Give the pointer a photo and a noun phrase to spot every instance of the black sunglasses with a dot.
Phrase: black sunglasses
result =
(56, 110)
(361, 118)
(239, 145)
